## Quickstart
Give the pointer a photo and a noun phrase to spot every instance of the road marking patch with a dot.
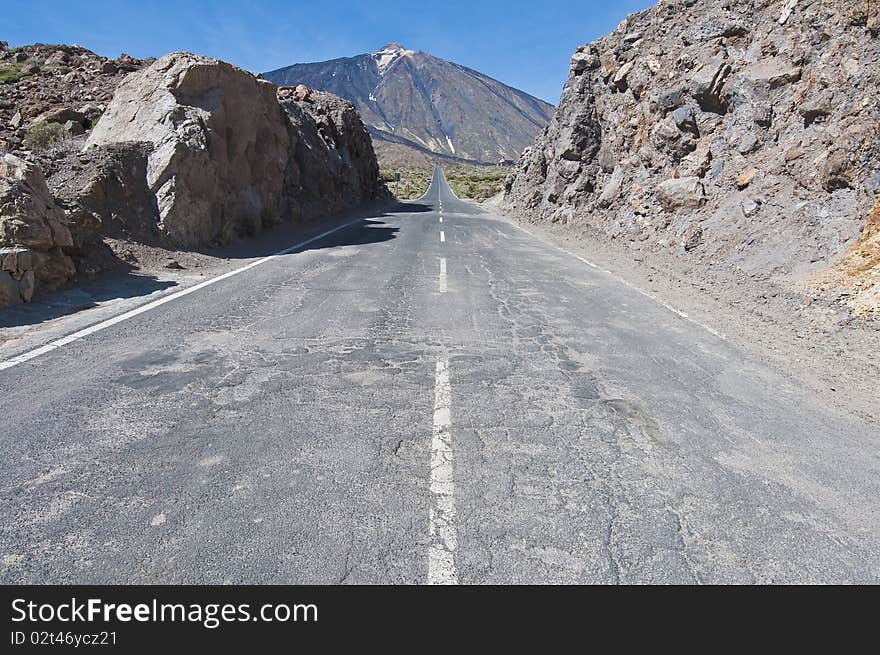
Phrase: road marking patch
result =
(444, 541)
(443, 287)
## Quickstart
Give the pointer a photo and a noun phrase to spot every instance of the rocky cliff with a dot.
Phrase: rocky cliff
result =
(741, 136)
(190, 152)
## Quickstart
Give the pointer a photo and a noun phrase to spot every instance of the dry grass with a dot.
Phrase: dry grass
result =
(414, 181)
(475, 182)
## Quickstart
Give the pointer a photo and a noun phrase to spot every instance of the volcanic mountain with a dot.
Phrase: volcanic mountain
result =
(427, 104)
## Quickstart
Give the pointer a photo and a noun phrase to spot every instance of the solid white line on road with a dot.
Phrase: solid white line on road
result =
(442, 236)
(444, 541)
(443, 275)
(76, 336)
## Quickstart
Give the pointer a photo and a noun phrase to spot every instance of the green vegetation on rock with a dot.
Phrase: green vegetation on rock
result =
(12, 74)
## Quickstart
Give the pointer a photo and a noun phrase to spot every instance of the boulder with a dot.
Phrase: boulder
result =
(681, 192)
(685, 120)
(706, 85)
(61, 115)
(775, 71)
(33, 230)
(9, 293)
(219, 144)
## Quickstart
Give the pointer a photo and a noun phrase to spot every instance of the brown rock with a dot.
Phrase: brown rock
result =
(745, 178)
(678, 193)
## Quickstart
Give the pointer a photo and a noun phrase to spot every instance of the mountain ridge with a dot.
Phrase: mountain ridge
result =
(440, 106)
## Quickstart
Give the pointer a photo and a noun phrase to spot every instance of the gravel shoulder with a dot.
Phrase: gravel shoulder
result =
(810, 340)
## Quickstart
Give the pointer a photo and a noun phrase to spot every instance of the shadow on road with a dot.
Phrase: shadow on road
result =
(115, 284)
(84, 295)
(371, 230)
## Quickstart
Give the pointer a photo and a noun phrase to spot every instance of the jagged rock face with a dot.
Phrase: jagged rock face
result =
(219, 144)
(228, 153)
(415, 100)
(332, 165)
(741, 132)
(33, 234)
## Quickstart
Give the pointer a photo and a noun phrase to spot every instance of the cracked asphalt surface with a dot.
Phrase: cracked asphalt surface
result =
(276, 427)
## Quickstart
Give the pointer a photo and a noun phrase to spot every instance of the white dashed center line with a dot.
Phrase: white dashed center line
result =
(442, 236)
(441, 551)
(443, 275)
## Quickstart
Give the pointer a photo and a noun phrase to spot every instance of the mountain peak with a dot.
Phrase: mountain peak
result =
(430, 107)
(389, 53)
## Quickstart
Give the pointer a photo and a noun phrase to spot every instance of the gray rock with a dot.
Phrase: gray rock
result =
(750, 207)
(681, 192)
(872, 184)
(32, 227)
(74, 128)
(774, 71)
(691, 237)
(707, 83)
(27, 285)
(685, 120)
(9, 294)
(669, 99)
(612, 187)
(747, 144)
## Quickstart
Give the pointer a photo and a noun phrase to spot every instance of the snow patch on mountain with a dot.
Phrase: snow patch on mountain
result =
(388, 55)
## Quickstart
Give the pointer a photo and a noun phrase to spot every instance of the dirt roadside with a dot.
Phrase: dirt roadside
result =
(811, 340)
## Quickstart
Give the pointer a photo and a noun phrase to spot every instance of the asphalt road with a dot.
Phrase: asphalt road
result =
(351, 413)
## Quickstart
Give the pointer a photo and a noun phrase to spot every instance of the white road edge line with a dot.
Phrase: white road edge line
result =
(442, 236)
(443, 287)
(662, 303)
(444, 541)
(76, 336)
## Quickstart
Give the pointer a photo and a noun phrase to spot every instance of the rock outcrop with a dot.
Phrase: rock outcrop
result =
(34, 234)
(190, 152)
(742, 134)
(331, 164)
(67, 85)
(229, 153)
(219, 144)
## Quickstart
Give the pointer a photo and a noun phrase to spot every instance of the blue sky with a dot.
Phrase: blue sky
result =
(524, 44)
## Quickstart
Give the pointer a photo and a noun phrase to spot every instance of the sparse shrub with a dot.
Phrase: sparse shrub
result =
(475, 183)
(41, 136)
(413, 181)
(12, 74)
